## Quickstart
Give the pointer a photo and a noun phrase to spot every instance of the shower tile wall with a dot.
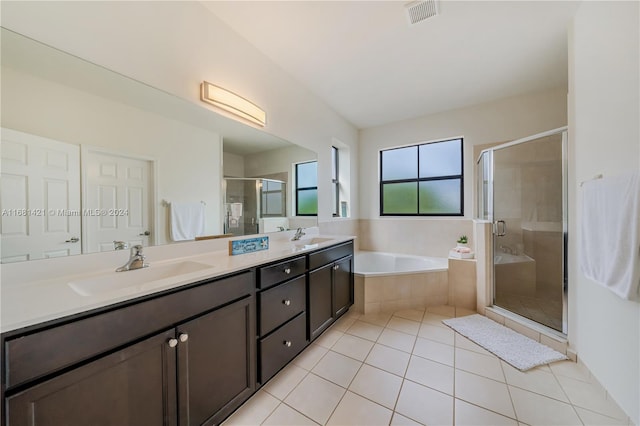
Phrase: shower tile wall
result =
(423, 237)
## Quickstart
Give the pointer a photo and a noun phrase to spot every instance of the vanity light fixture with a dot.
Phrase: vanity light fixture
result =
(229, 101)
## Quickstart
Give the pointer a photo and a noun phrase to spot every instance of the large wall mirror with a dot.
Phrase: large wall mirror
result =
(90, 157)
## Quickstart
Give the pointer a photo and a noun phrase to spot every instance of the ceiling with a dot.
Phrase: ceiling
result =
(367, 62)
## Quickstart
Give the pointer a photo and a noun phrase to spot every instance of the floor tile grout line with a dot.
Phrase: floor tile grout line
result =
(513, 404)
(398, 399)
(567, 395)
(297, 411)
(350, 382)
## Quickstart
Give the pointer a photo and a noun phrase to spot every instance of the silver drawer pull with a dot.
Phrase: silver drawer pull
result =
(183, 337)
(173, 343)
(336, 267)
(72, 240)
(286, 302)
(287, 343)
(287, 271)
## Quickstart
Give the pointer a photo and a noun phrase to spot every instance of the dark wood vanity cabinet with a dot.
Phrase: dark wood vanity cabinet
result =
(188, 356)
(330, 286)
(216, 363)
(282, 318)
(196, 371)
(132, 386)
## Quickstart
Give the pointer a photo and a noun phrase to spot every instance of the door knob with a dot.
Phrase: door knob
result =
(183, 337)
(336, 267)
(287, 271)
(145, 234)
(72, 240)
(286, 302)
(287, 343)
(173, 343)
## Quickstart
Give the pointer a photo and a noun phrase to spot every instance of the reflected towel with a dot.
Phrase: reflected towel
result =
(609, 252)
(187, 220)
(236, 210)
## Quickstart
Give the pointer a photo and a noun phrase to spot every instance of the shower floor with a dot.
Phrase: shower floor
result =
(542, 308)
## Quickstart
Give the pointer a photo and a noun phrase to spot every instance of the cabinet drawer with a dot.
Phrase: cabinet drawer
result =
(43, 352)
(281, 346)
(323, 257)
(281, 303)
(274, 274)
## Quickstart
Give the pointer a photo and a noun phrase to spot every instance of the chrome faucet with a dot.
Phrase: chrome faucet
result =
(299, 234)
(120, 245)
(136, 260)
(506, 249)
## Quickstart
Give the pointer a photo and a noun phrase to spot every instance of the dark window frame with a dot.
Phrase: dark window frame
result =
(264, 197)
(418, 179)
(335, 182)
(302, 189)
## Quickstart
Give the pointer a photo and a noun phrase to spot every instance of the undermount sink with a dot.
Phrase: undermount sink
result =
(310, 243)
(135, 278)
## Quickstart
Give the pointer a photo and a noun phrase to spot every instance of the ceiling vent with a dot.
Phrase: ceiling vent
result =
(418, 11)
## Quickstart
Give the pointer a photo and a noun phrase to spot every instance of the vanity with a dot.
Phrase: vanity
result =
(187, 352)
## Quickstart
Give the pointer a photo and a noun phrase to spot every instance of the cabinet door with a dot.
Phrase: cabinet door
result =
(133, 386)
(216, 363)
(342, 286)
(320, 300)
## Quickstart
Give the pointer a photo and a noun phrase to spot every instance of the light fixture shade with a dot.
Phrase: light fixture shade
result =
(231, 102)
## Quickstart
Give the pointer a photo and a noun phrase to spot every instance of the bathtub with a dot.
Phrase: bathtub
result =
(387, 282)
(376, 264)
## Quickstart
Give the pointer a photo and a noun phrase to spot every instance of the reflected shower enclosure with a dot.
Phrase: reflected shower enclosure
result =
(521, 188)
(254, 206)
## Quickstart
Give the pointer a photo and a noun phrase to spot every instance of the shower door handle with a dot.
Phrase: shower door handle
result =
(504, 228)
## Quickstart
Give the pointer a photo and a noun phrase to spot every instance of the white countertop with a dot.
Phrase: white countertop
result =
(38, 291)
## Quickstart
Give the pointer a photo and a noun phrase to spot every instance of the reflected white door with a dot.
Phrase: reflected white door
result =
(116, 204)
(40, 197)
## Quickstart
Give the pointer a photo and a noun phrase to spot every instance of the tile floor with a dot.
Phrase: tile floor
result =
(408, 368)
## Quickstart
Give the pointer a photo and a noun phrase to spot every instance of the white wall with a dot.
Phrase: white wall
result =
(232, 165)
(604, 134)
(498, 121)
(176, 45)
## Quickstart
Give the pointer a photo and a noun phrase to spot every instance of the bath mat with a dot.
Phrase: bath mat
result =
(520, 351)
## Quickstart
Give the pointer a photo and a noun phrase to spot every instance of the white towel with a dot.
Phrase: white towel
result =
(186, 220)
(236, 210)
(610, 234)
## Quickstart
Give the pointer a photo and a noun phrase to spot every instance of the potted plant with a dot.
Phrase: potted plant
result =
(462, 241)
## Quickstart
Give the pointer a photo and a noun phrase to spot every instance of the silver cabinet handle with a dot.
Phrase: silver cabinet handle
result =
(173, 343)
(287, 271)
(72, 240)
(183, 337)
(287, 343)
(286, 302)
(336, 267)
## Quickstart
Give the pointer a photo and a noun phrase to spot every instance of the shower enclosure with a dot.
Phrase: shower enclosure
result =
(522, 190)
(254, 206)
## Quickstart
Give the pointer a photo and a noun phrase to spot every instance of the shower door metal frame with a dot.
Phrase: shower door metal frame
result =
(490, 217)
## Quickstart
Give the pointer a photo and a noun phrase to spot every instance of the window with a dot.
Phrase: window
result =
(307, 189)
(272, 198)
(335, 184)
(422, 180)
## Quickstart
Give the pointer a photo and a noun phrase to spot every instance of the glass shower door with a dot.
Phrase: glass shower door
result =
(529, 229)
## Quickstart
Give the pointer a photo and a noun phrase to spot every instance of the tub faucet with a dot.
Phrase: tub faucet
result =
(506, 249)
(299, 234)
(136, 260)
